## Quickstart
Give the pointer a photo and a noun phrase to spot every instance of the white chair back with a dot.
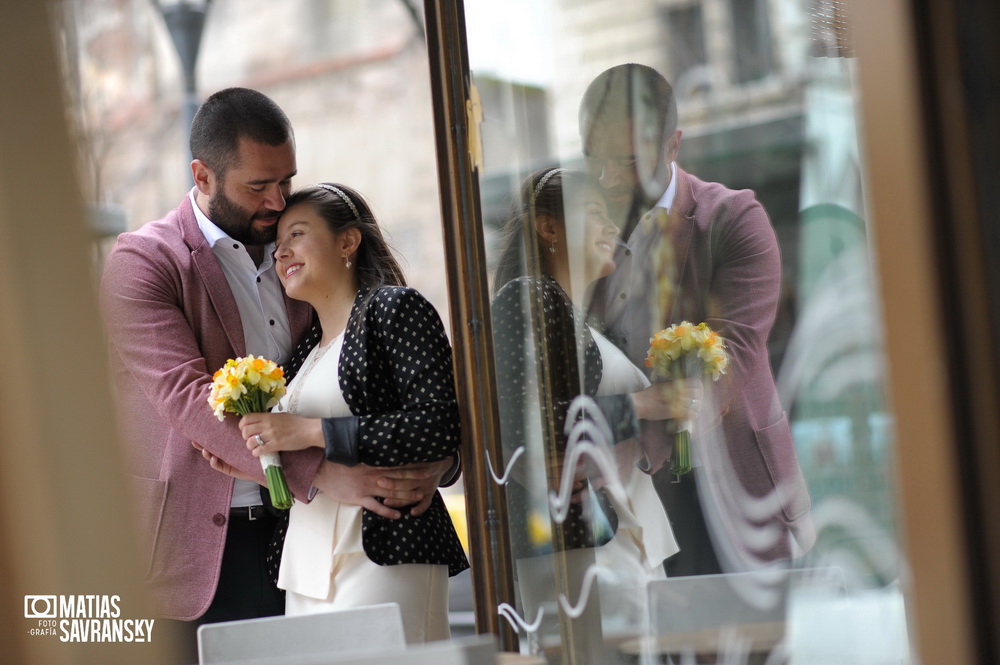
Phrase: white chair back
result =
(477, 650)
(685, 604)
(327, 635)
(745, 611)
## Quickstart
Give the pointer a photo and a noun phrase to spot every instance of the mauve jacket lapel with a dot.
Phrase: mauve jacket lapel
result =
(212, 277)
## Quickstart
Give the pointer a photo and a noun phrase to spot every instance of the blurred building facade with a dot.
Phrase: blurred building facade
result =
(352, 77)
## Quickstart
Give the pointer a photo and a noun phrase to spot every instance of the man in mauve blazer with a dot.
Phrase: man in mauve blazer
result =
(173, 321)
(698, 251)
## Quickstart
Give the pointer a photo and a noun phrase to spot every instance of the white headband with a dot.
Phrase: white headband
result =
(342, 195)
(541, 183)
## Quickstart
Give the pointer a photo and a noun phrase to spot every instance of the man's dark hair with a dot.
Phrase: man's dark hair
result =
(229, 115)
(630, 92)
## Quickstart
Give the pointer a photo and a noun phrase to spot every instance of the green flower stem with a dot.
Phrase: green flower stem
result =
(255, 401)
(280, 496)
(680, 462)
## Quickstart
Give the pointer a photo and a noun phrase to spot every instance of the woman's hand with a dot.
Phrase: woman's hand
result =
(221, 466)
(280, 431)
(680, 399)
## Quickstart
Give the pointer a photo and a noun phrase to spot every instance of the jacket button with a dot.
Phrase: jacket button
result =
(218, 519)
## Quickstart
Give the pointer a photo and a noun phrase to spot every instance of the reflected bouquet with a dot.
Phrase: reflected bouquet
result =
(253, 385)
(685, 350)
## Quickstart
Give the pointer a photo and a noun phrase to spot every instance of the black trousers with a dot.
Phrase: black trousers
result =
(680, 499)
(245, 589)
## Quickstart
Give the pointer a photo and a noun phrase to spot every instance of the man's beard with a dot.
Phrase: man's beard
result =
(238, 223)
(630, 203)
(626, 212)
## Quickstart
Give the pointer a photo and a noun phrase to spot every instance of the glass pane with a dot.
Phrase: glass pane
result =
(675, 489)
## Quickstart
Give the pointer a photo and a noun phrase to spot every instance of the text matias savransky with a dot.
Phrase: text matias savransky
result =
(85, 618)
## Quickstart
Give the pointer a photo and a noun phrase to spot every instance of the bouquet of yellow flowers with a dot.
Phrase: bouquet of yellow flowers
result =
(685, 350)
(253, 385)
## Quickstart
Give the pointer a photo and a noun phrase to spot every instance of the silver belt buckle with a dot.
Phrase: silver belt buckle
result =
(250, 513)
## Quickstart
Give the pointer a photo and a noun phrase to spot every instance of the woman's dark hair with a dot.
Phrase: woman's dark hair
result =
(544, 192)
(343, 208)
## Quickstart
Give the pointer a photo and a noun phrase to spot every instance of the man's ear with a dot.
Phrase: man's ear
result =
(673, 146)
(203, 176)
(545, 226)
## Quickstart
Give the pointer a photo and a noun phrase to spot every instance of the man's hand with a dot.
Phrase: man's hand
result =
(680, 399)
(400, 486)
(221, 465)
(408, 477)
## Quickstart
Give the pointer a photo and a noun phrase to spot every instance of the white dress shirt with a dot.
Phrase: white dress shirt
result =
(667, 199)
(261, 304)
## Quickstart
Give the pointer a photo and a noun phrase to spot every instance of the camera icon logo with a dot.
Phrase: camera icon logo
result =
(40, 607)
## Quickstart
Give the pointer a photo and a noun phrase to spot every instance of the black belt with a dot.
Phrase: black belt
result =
(249, 513)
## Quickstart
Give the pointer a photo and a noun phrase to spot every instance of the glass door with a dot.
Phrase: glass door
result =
(691, 438)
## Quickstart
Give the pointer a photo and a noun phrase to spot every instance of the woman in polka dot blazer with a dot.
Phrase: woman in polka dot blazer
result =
(375, 375)
(557, 242)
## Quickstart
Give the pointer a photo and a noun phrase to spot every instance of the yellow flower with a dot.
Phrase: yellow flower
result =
(279, 392)
(683, 340)
(269, 377)
(246, 385)
(539, 530)
(251, 385)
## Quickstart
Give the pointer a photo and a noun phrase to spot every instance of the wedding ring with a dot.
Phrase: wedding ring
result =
(260, 441)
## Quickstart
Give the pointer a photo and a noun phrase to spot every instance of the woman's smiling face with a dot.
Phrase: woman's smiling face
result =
(599, 236)
(308, 256)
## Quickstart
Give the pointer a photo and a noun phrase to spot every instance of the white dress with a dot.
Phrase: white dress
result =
(634, 557)
(323, 565)
(644, 537)
(642, 522)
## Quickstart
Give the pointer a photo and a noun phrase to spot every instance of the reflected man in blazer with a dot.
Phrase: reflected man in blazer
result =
(697, 251)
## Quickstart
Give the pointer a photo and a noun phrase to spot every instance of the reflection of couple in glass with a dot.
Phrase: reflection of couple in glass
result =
(688, 250)
(557, 242)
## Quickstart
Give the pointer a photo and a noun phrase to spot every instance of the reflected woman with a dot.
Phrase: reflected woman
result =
(557, 241)
(377, 369)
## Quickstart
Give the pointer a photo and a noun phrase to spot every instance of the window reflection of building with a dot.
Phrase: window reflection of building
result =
(686, 52)
(753, 46)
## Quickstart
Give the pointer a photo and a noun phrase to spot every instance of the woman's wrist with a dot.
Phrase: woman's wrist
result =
(314, 435)
(638, 406)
